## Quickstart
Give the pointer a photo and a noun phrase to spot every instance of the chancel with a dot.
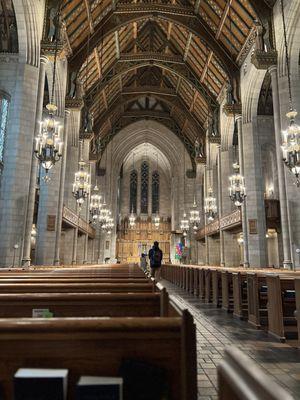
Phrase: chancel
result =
(150, 199)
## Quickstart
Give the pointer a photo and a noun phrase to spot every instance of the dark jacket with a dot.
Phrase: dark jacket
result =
(152, 263)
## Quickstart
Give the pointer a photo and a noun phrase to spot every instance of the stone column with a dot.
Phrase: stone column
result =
(26, 260)
(220, 206)
(60, 206)
(244, 206)
(287, 262)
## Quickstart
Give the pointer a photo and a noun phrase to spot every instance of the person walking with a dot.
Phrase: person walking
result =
(155, 257)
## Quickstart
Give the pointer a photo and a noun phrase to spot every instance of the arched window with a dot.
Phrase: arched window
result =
(4, 103)
(155, 192)
(144, 187)
(133, 191)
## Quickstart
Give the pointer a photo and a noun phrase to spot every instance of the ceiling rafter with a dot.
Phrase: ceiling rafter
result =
(174, 64)
(89, 16)
(167, 96)
(187, 46)
(184, 16)
(117, 44)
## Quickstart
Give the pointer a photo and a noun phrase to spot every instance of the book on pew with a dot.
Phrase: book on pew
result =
(40, 384)
(99, 388)
(41, 313)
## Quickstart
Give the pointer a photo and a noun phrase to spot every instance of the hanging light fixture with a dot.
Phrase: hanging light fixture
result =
(48, 145)
(184, 223)
(131, 219)
(81, 185)
(95, 205)
(210, 206)
(291, 136)
(195, 216)
(156, 220)
(210, 202)
(237, 189)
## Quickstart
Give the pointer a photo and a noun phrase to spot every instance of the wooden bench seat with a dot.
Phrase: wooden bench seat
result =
(75, 287)
(257, 300)
(97, 347)
(216, 288)
(227, 290)
(240, 295)
(282, 323)
(73, 280)
(239, 378)
(83, 304)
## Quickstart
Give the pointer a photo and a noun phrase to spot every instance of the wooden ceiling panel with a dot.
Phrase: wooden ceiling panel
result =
(229, 22)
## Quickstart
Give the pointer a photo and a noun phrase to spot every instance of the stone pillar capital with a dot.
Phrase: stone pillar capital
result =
(44, 59)
(272, 68)
(67, 112)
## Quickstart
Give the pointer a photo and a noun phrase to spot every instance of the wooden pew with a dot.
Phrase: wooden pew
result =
(76, 287)
(97, 347)
(83, 304)
(216, 287)
(73, 280)
(227, 291)
(257, 300)
(281, 306)
(239, 378)
(208, 285)
(240, 299)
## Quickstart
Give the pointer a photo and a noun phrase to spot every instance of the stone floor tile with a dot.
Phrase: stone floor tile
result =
(216, 329)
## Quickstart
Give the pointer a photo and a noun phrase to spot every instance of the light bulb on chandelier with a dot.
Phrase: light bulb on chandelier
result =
(237, 189)
(210, 206)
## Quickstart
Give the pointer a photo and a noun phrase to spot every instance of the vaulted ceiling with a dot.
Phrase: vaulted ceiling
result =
(162, 59)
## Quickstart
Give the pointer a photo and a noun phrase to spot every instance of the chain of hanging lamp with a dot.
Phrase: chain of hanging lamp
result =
(184, 223)
(194, 212)
(237, 188)
(290, 136)
(210, 202)
(81, 185)
(48, 144)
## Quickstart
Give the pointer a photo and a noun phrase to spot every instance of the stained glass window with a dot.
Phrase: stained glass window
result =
(4, 102)
(144, 187)
(133, 191)
(155, 192)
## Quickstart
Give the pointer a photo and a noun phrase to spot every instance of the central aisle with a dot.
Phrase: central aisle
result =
(216, 330)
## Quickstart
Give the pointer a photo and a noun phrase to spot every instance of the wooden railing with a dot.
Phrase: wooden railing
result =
(72, 219)
(227, 222)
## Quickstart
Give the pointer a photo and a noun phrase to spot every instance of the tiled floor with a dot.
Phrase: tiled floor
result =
(216, 329)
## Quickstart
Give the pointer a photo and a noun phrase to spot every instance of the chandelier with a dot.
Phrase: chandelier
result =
(109, 224)
(48, 144)
(237, 189)
(81, 185)
(194, 216)
(184, 224)
(95, 205)
(132, 219)
(291, 146)
(210, 206)
(156, 220)
(290, 137)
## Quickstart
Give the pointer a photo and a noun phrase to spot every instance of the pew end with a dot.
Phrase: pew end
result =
(239, 378)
